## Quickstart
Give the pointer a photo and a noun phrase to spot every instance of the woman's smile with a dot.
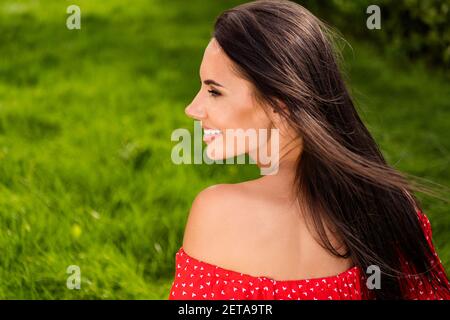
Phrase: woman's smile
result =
(209, 134)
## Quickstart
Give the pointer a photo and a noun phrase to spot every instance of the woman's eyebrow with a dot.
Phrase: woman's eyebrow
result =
(209, 82)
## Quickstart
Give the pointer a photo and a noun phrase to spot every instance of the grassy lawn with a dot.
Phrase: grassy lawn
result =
(85, 122)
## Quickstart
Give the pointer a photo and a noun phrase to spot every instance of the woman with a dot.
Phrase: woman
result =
(335, 221)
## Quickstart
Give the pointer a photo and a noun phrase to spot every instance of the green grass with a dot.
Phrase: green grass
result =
(85, 124)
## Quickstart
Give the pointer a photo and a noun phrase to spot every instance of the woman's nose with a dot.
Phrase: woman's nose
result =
(195, 110)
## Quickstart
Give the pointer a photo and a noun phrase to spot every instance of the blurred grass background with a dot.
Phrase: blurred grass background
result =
(85, 122)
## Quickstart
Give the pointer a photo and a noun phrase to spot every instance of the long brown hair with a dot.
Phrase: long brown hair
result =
(342, 177)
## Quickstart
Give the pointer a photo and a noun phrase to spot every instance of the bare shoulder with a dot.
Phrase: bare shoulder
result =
(244, 226)
(227, 224)
(211, 218)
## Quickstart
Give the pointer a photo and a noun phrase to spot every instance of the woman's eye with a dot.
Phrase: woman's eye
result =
(214, 93)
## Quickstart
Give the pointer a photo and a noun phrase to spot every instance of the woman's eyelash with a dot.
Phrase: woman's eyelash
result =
(214, 93)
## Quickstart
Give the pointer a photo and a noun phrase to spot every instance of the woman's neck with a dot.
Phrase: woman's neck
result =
(283, 181)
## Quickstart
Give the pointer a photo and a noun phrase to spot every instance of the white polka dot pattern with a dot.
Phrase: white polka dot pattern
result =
(198, 280)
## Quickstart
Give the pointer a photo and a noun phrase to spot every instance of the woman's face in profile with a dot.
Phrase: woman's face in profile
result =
(225, 101)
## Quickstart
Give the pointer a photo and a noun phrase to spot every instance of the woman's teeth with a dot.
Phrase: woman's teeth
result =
(211, 132)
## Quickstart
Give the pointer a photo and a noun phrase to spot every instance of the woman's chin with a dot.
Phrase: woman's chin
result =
(217, 152)
(214, 149)
(214, 153)
(218, 149)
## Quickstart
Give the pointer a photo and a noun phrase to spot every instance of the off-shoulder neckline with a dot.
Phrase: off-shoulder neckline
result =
(351, 271)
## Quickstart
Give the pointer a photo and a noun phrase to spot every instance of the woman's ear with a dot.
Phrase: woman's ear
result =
(278, 119)
(280, 105)
(277, 111)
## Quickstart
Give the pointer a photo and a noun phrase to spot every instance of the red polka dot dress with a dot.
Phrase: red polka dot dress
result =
(199, 280)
